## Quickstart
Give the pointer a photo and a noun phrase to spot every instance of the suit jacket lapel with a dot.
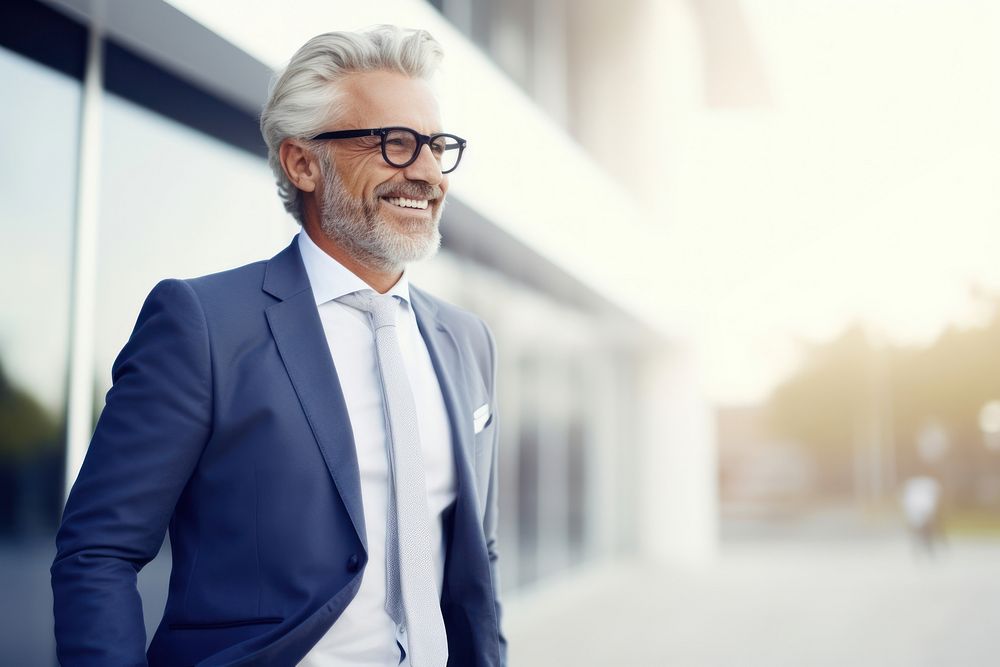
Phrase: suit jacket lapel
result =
(445, 357)
(298, 334)
(467, 598)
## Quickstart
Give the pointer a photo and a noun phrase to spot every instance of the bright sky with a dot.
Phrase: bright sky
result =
(869, 188)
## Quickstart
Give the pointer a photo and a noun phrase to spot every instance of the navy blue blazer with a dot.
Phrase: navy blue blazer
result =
(226, 424)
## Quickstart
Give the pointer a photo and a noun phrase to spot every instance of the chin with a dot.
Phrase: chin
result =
(393, 251)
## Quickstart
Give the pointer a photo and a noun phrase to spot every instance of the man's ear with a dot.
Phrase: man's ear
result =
(300, 165)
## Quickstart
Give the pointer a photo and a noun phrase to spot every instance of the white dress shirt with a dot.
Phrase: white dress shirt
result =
(365, 635)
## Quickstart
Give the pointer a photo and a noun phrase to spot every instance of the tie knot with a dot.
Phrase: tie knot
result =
(381, 307)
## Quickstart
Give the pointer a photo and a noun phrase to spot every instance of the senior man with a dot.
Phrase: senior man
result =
(318, 435)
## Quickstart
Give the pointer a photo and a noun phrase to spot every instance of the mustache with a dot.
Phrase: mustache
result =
(408, 189)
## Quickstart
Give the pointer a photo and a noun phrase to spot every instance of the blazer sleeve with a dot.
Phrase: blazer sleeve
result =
(491, 516)
(148, 440)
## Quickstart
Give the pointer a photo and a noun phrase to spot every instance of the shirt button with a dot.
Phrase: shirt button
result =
(353, 563)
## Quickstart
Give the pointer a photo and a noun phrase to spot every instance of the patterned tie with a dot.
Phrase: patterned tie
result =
(412, 598)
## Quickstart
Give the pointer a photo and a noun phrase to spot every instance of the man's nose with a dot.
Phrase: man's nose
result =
(425, 168)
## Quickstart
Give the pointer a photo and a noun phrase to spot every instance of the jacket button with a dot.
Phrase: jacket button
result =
(353, 563)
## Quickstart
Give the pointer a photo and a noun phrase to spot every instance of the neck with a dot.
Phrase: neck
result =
(379, 280)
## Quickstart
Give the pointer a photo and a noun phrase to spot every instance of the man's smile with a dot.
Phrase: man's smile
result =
(404, 202)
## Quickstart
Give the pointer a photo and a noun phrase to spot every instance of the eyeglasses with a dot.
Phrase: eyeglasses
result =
(401, 146)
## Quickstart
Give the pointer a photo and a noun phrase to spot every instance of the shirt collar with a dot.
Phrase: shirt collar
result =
(331, 280)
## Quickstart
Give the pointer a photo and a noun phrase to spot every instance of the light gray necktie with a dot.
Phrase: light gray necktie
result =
(412, 598)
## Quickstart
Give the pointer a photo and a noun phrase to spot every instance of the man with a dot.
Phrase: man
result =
(318, 435)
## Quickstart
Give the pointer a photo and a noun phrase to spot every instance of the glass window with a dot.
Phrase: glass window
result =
(175, 203)
(576, 461)
(38, 133)
(529, 486)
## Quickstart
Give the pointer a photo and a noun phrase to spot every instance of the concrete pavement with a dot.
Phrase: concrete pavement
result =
(773, 604)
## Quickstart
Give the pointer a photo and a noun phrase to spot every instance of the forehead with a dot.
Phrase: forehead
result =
(382, 99)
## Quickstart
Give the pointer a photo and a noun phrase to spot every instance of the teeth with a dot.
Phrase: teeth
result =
(407, 203)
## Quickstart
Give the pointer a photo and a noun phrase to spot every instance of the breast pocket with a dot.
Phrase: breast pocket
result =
(481, 418)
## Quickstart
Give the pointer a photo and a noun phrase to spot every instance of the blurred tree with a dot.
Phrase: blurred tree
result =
(951, 379)
(821, 407)
(30, 463)
(25, 426)
(949, 382)
(846, 388)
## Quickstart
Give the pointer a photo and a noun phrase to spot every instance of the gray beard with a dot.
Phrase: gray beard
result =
(354, 224)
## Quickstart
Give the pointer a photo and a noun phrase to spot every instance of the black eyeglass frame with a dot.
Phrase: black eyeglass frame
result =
(383, 132)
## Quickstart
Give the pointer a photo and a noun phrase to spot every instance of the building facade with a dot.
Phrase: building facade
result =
(131, 154)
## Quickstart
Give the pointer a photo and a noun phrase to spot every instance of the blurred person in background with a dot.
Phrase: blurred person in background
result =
(921, 501)
(317, 434)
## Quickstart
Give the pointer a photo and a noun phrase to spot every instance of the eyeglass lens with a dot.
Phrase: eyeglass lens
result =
(401, 146)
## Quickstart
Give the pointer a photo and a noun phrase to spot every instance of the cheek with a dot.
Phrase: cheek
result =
(361, 176)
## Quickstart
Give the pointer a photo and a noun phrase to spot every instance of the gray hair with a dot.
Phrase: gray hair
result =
(304, 96)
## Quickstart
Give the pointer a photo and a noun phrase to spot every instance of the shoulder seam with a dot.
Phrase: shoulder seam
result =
(208, 346)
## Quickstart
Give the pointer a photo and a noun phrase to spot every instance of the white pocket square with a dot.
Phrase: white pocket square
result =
(481, 417)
